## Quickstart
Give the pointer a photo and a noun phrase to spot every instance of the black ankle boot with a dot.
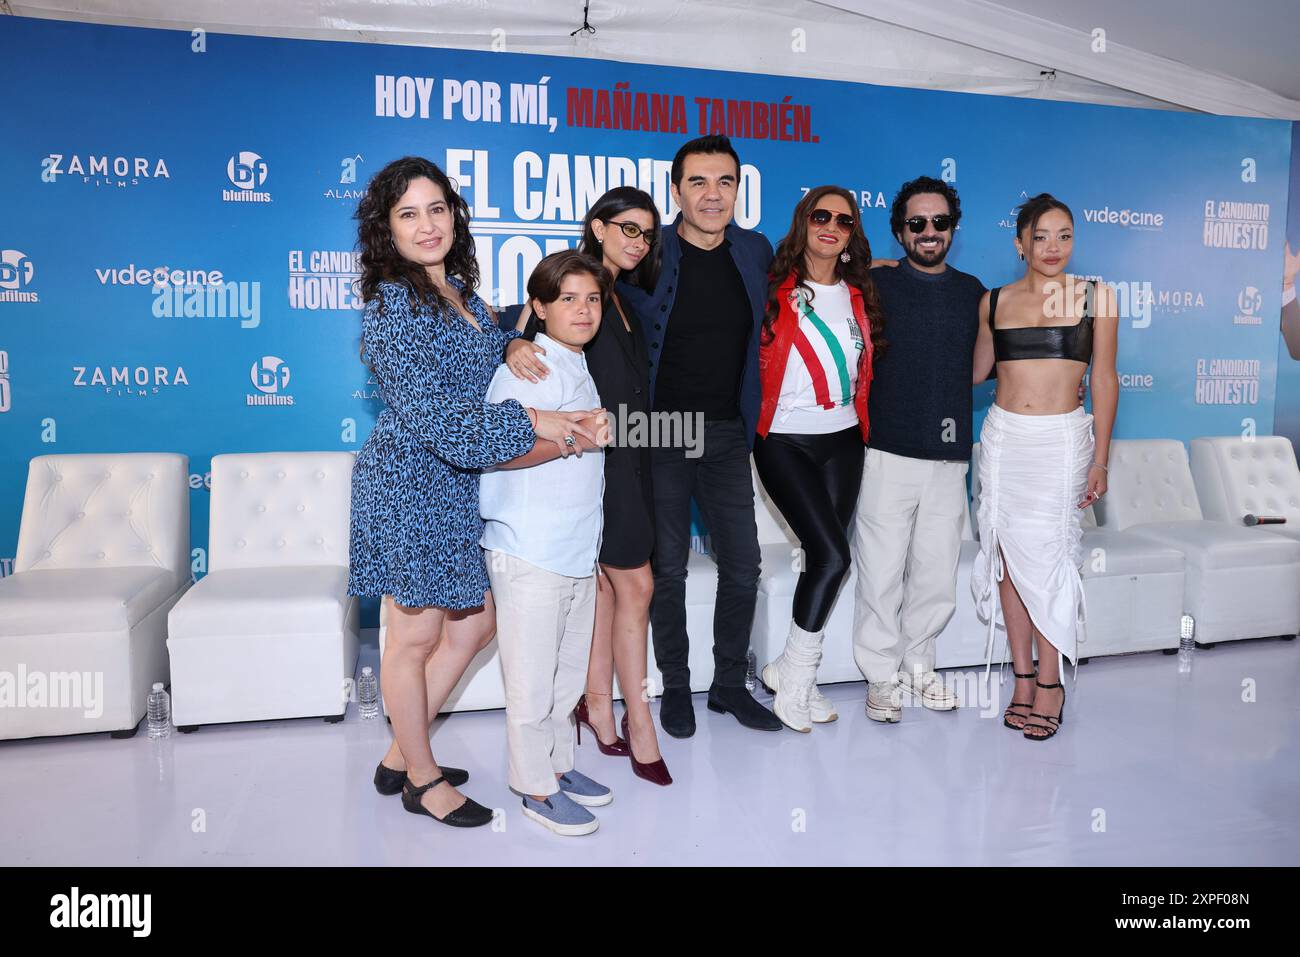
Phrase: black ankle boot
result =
(739, 702)
(677, 713)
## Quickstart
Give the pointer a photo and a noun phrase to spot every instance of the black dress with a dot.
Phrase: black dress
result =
(620, 367)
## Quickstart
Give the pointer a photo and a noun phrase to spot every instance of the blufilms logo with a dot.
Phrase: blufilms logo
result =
(246, 171)
(4, 381)
(1128, 218)
(1250, 305)
(16, 273)
(270, 376)
(103, 170)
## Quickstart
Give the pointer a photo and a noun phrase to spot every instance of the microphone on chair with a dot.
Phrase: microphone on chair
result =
(1264, 519)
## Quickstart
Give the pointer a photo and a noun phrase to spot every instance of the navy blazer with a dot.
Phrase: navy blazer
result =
(752, 254)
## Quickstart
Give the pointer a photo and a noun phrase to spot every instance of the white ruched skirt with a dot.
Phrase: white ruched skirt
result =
(1033, 472)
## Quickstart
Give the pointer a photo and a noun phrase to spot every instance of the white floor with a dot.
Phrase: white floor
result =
(1151, 767)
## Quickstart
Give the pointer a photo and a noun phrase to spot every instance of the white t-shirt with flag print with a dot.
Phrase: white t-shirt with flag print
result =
(821, 372)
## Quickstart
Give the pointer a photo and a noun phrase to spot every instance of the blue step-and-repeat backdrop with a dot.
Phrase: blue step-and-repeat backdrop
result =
(176, 246)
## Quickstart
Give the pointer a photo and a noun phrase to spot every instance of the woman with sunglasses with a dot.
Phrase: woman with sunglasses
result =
(1042, 457)
(622, 230)
(821, 334)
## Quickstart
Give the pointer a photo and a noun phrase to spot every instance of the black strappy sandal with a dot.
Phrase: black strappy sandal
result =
(1052, 728)
(469, 814)
(389, 781)
(1008, 713)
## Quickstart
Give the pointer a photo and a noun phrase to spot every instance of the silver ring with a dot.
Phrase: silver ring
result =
(568, 440)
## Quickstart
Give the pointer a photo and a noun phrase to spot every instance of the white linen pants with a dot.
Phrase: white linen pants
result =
(906, 544)
(544, 626)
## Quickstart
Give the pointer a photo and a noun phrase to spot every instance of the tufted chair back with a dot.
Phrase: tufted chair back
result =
(1149, 481)
(272, 509)
(106, 511)
(1235, 476)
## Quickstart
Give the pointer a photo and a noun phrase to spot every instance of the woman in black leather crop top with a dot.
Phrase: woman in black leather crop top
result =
(1042, 457)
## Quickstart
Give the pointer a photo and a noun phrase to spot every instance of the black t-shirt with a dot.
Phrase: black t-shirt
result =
(708, 332)
(920, 404)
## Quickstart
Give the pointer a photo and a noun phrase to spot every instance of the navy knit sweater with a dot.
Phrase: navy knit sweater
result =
(920, 404)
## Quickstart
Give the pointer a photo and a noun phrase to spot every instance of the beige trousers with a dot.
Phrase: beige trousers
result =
(906, 544)
(544, 626)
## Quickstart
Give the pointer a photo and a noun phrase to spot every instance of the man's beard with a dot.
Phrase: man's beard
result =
(923, 258)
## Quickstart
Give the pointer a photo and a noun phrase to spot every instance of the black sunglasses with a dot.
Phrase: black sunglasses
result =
(820, 217)
(632, 231)
(942, 223)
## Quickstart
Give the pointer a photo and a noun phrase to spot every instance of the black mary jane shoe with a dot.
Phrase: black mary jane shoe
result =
(388, 781)
(469, 814)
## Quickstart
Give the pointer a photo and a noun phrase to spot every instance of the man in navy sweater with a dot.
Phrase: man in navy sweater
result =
(702, 325)
(912, 504)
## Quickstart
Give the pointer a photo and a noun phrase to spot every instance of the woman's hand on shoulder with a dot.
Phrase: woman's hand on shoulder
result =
(521, 360)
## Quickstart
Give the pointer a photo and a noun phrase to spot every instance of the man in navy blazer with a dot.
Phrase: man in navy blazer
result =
(702, 325)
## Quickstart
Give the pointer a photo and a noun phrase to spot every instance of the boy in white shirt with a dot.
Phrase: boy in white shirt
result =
(542, 535)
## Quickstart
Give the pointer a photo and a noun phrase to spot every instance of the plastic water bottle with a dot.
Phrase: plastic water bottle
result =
(160, 712)
(368, 694)
(751, 671)
(1186, 645)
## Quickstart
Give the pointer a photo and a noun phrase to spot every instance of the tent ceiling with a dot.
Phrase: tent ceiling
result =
(1203, 55)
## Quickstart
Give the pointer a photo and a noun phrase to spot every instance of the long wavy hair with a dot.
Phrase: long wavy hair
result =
(619, 200)
(856, 272)
(380, 260)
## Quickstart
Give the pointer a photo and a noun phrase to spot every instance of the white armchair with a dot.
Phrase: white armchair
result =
(103, 555)
(270, 631)
(1236, 477)
(1239, 583)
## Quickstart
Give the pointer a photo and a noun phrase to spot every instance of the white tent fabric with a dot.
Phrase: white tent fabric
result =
(1010, 48)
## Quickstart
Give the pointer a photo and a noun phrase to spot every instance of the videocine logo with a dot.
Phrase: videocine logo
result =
(1129, 218)
(75, 909)
(270, 376)
(16, 272)
(246, 171)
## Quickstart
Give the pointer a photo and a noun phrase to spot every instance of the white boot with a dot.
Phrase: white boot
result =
(791, 677)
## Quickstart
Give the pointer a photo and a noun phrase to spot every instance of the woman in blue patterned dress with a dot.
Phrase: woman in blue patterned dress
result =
(433, 346)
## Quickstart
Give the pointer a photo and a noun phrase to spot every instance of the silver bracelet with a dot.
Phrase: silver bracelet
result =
(1103, 467)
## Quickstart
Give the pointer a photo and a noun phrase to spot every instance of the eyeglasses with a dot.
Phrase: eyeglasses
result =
(633, 231)
(820, 217)
(942, 223)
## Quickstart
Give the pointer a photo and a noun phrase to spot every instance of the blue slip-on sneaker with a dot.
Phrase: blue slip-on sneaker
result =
(584, 790)
(559, 814)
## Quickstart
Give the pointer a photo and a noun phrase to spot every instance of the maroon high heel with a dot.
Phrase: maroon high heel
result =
(656, 772)
(619, 748)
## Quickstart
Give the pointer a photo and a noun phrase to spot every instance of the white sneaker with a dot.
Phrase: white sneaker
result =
(929, 687)
(885, 701)
(820, 708)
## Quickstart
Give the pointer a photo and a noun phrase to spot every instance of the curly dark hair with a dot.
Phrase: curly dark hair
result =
(856, 272)
(380, 260)
(922, 184)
